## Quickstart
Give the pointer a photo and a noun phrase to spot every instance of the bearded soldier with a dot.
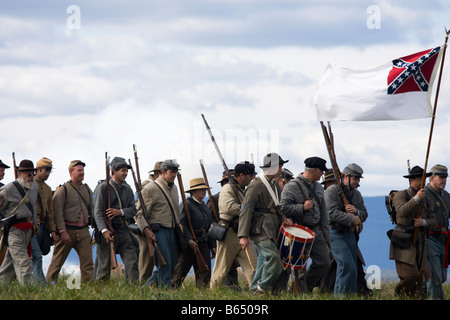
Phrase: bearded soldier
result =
(19, 198)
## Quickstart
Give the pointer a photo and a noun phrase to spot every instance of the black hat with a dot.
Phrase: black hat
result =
(26, 165)
(273, 159)
(316, 162)
(286, 174)
(417, 172)
(244, 167)
(2, 165)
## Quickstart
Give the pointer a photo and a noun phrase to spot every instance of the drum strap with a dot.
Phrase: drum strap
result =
(272, 193)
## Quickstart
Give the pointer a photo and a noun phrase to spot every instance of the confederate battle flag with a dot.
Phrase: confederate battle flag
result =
(397, 90)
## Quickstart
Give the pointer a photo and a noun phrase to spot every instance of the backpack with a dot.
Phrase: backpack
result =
(390, 206)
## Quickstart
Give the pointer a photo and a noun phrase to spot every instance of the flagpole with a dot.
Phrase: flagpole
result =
(433, 117)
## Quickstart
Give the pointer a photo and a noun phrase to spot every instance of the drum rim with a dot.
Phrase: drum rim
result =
(287, 234)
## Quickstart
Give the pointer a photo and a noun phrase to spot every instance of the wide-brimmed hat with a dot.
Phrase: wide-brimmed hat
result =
(225, 177)
(156, 167)
(26, 165)
(2, 165)
(197, 184)
(272, 159)
(328, 176)
(415, 172)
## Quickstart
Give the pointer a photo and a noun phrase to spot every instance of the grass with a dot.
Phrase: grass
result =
(118, 289)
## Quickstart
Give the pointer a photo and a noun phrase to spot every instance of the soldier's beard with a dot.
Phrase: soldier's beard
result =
(25, 184)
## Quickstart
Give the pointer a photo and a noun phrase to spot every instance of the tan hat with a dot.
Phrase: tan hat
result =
(44, 162)
(197, 184)
(157, 167)
(74, 163)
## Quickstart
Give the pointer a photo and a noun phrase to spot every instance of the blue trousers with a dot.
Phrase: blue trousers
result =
(343, 249)
(167, 243)
(269, 266)
(36, 253)
(435, 258)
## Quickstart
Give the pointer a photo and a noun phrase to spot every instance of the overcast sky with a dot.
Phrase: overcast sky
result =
(76, 82)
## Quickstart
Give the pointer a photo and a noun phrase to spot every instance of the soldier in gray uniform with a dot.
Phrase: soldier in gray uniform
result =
(303, 201)
(345, 223)
(437, 240)
(19, 197)
(121, 210)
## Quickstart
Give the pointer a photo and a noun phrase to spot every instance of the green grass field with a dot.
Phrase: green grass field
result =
(118, 289)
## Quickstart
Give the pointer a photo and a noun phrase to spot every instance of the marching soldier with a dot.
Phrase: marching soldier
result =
(19, 197)
(410, 260)
(121, 210)
(2, 171)
(72, 203)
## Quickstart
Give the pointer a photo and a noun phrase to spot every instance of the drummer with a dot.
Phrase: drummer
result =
(303, 201)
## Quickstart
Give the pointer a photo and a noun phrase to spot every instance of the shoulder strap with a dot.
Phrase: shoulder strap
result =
(117, 194)
(23, 194)
(86, 204)
(271, 191)
(168, 201)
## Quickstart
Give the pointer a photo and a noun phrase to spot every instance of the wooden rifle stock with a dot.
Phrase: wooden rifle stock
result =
(202, 266)
(114, 264)
(161, 261)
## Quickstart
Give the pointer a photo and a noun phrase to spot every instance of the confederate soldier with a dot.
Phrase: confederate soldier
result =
(72, 203)
(437, 240)
(232, 280)
(285, 176)
(411, 259)
(121, 209)
(303, 201)
(229, 249)
(162, 223)
(19, 197)
(328, 179)
(45, 217)
(146, 262)
(260, 205)
(345, 223)
(2, 171)
(201, 220)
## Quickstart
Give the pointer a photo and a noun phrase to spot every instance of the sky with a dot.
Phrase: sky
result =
(81, 78)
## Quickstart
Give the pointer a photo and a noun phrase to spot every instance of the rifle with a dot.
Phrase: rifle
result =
(162, 262)
(106, 206)
(227, 172)
(202, 266)
(213, 207)
(14, 165)
(329, 141)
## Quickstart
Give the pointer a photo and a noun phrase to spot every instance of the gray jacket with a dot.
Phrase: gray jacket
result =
(13, 198)
(339, 218)
(292, 199)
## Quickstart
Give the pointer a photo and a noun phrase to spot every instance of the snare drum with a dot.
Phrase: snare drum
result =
(295, 243)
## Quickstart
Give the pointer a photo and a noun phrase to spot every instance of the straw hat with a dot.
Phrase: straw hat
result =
(197, 184)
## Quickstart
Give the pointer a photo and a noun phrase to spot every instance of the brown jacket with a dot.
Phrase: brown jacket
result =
(407, 208)
(46, 195)
(68, 204)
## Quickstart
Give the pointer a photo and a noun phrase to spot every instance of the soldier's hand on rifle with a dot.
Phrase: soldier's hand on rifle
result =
(421, 193)
(356, 221)
(418, 222)
(112, 213)
(149, 234)
(308, 205)
(351, 209)
(108, 236)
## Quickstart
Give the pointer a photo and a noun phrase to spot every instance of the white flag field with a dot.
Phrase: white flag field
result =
(397, 90)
